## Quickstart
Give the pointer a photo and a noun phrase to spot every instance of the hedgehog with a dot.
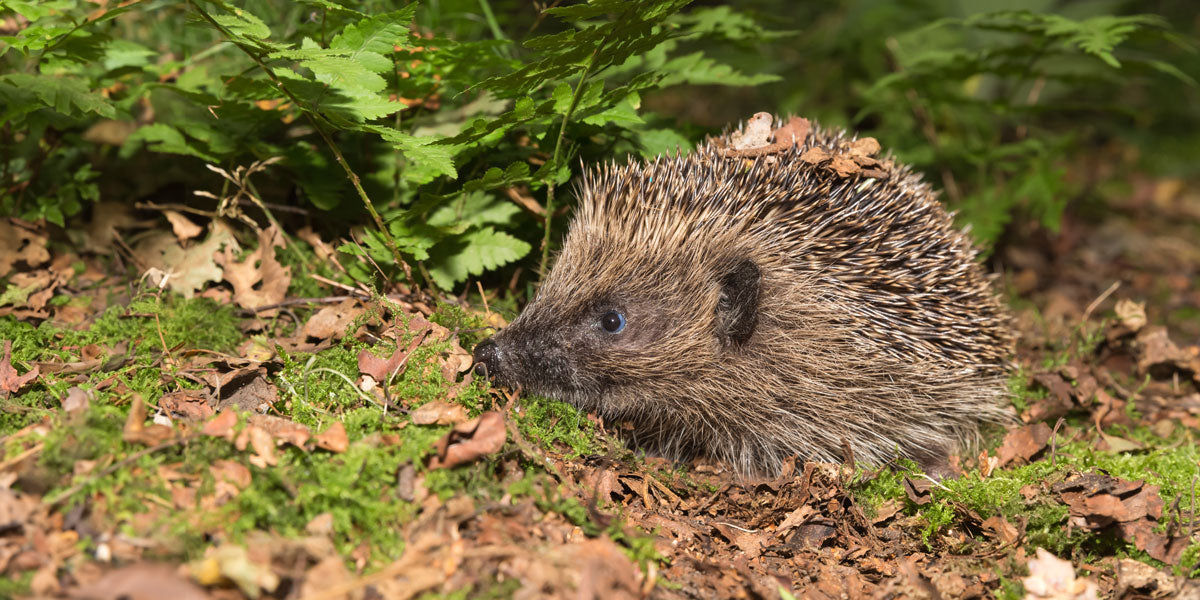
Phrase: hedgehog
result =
(751, 304)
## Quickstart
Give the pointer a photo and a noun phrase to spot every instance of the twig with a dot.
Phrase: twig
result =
(713, 498)
(1087, 312)
(1054, 443)
(22, 456)
(482, 295)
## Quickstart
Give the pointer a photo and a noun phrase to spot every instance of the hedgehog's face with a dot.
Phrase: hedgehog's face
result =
(602, 327)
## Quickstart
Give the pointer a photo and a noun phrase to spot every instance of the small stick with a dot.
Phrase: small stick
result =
(1054, 443)
(1087, 312)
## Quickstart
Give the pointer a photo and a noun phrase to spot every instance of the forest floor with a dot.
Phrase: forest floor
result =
(280, 433)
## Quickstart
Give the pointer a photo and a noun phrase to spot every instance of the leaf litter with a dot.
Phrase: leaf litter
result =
(214, 440)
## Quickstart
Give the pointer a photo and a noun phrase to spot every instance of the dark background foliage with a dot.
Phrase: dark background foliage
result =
(453, 127)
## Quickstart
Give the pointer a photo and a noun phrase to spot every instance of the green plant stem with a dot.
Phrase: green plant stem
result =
(491, 20)
(562, 132)
(315, 120)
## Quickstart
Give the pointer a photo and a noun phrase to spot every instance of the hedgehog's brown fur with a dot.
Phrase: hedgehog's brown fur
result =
(773, 308)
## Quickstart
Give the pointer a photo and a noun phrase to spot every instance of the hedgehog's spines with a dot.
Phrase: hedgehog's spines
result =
(875, 324)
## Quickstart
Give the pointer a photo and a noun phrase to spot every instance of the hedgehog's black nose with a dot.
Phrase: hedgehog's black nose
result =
(487, 358)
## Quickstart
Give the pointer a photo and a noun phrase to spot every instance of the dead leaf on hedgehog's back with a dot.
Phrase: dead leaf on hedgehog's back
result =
(756, 134)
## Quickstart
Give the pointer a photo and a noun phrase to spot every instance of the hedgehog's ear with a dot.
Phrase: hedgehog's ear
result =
(737, 308)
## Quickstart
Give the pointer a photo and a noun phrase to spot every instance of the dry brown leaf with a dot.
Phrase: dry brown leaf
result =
(1023, 443)
(261, 442)
(1051, 578)
(76, 402)
(136, 431)
(142, 581)
(189, 405)
(755, 134)
(440, 413)
(323, 250)
(10, 381)
(107, 218)
(19, 245)
(459, 361)
(331, 322)
(334, 439)
(222, 425)
(187, 270)
(282, 430)
(260, 279)
(183, 227)
(380, 369)
(1130, 314)
(468, 441)
(231, 478)
(1001, 529)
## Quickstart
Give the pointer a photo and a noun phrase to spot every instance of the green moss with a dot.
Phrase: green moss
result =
(1189, 562)
(551, 423)
(16, 586)
(470, 327)
(145, 325)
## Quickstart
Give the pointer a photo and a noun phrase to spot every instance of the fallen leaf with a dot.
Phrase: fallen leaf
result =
(441, 413)
(261, 442)
(260, 279)
(918, 490)
(1052, 578)
(142, 581)
(331, 322)
(10, 381)
(1023, 443)
(1136, 578)
(1001, 529)
(136, 431)
(380, 369)
(283, 430)
(333, 439)
(183, 227)
(755, 134)
(459, 361)
(1130, 509)
(1157, 355)
(221, 426)
(19, 245)
(187, 270)
(232, 473)
(755, 138)
(468, 441)
(186, 404)
(76, 402)
(1131, 315)
(246, 388)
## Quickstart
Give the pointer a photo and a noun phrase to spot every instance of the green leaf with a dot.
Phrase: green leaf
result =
(243, 24)
(160, 137)
(427, 160)
(655, 142)
(474, 208)
(472, 254)
(124, 53)
(65, 95)
(379, 34)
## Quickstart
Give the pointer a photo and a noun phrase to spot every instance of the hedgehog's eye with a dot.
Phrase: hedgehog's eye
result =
(612, 321)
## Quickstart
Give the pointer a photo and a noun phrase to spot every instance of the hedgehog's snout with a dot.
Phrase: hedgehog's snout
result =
(487, 358)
